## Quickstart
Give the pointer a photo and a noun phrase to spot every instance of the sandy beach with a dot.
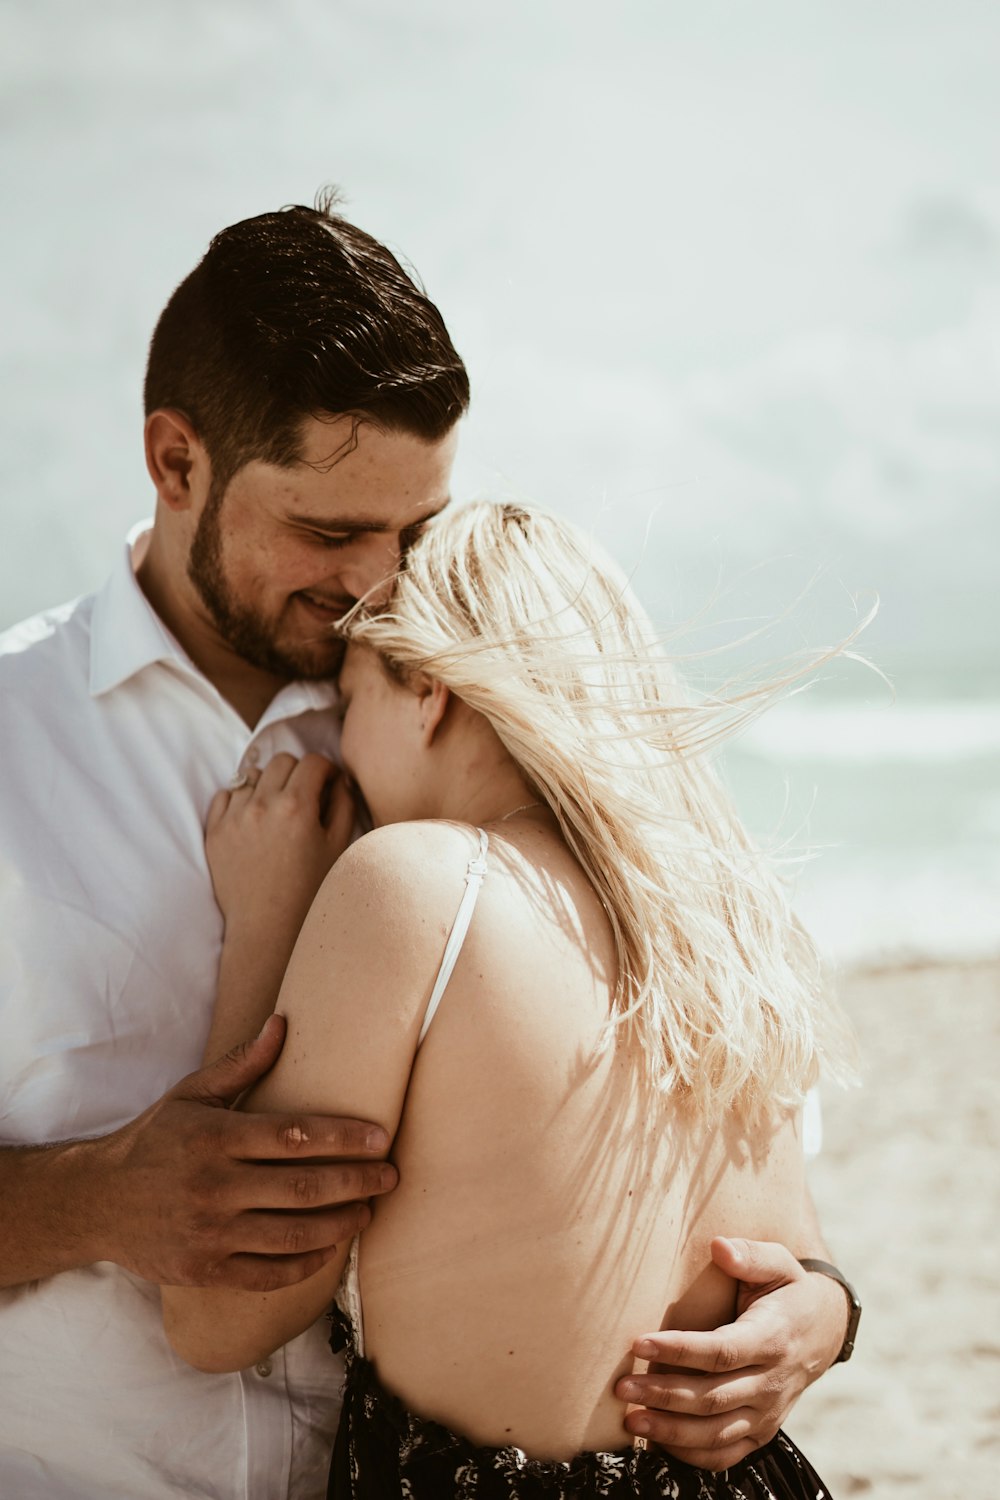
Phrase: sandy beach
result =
(908, 1189)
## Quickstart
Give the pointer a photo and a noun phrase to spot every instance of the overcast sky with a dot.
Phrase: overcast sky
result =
(723, 273)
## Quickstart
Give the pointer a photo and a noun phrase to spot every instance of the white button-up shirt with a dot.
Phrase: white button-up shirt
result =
(111, 747)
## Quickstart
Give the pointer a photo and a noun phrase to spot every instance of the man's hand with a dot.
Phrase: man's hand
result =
(717, 1397)
(193, 1193)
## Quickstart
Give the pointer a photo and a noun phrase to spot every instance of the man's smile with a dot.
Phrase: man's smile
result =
(325, 610)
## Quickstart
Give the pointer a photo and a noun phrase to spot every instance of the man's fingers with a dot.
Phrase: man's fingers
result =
(713, 1439)
(690, 1395)
(277, 1137)
(760, 1262)
(265, 1273)
(292, 1235)
(310, 1186)
(719, 1352)
(221, 1082)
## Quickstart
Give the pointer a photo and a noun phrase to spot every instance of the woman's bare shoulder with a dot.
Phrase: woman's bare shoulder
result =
(377, 923)
(408, 868)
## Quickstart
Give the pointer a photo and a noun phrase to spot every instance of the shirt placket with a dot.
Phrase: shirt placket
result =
(267, 1420)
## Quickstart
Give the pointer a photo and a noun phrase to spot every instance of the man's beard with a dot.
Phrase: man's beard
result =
(250, 636)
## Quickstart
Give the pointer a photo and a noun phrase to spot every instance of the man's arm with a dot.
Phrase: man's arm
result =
(192, 1193)
(712, 1398)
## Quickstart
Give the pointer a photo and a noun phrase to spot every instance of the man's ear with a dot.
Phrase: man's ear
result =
(434, 699)
(176, 459)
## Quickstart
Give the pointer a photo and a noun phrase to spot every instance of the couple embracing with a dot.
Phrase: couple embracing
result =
(543, 1034)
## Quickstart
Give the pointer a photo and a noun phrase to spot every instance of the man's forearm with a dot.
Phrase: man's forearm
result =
(51, 1212)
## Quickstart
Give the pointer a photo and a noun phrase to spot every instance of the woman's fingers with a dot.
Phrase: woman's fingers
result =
(341, 815)
(311, 776)
(276, 774)
(216, 810)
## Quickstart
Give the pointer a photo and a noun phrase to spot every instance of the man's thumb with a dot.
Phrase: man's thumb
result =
(221, 1082)
(757, 1262)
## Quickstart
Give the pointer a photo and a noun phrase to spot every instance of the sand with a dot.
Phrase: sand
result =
(908, 1189)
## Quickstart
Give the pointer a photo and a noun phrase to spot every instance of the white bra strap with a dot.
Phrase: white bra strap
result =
(456, 937)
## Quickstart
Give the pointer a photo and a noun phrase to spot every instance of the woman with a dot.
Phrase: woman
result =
(624, 1023)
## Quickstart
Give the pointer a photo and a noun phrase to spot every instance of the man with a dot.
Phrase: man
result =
(302, 397)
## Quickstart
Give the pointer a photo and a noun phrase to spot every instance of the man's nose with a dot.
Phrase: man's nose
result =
(373, 570)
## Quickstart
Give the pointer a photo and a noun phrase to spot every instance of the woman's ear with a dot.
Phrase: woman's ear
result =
(433, 698)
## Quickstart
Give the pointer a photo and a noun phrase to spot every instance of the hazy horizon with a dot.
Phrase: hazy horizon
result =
(726, 281)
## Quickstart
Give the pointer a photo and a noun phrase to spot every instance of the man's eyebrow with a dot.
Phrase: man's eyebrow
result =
(324, 523)
(358, 525)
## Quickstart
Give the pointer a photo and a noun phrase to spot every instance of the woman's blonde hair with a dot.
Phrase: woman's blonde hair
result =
(527, 622)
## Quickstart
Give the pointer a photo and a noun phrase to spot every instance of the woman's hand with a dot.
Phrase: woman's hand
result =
(270, 845)
(272, 842)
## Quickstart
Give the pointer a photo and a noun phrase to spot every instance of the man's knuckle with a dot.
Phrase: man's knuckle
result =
(272, 1277)
(728, 1356)
(292, 1135)
(767, 1429)
(659, 1396)
(737, 1430)
(371, 1178)
(207, 1137)
(305, 1188)
(209, 1193)
(293, 1239)
(190, 1270)
(663, 1429)
(715, 1401)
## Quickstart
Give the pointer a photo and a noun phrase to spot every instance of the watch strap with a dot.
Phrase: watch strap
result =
(824, 1268)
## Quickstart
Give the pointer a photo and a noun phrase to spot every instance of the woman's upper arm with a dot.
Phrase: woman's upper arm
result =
(356, 985)
(353, 998)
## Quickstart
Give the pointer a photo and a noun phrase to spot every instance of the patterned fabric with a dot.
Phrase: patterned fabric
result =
(385, 1452)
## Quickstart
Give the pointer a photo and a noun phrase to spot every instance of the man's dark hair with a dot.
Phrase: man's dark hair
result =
(296, 314)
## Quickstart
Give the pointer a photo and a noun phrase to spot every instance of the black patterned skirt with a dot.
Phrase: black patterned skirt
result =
(385, 1452)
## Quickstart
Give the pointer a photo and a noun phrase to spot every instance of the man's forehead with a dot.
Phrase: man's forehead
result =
(328, 442)
(325, 441)
(361, 478)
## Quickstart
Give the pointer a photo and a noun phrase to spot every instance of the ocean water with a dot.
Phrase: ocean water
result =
(727, 281)
(888, 820)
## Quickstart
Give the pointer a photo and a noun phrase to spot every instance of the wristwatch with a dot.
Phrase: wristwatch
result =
(853, 1301)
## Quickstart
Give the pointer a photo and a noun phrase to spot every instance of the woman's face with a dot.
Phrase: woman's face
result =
(380, 739)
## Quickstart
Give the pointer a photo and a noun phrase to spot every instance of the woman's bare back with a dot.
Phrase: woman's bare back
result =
(550, 1208)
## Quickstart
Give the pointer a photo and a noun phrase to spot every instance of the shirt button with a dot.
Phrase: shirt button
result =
(252, 756)
(264, 1368)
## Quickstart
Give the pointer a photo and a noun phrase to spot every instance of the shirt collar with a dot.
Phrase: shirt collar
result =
(126, 633)
(127, 636)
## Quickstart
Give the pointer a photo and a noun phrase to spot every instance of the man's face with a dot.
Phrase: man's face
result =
(284, 552)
